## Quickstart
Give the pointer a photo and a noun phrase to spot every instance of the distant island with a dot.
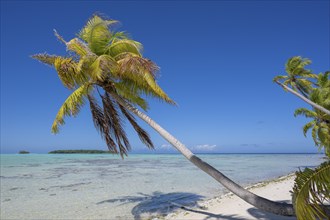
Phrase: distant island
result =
(23, 152)
(79, 152)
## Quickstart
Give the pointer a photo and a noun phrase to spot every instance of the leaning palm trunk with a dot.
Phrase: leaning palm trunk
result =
(255, 200)
(304, 98)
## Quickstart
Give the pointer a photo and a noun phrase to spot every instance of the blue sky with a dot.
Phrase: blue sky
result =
(217, 62)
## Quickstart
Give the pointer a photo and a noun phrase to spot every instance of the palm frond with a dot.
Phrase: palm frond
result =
(295, 64)
(324, 80)
(315, 96)
(124, 55)
(115, 123)
(308, 126)
(311, 192)
(157, 89)
(305, 112)
(277, 78)
(305, 83)
(324, 135)
(84, 65)
(97, 34)
(124, 46)
(119, 35)
(302, 72)
(78, 47)
(131, 94)
(59, 37)
(103, 67)
(71, 106)
(304, 87)
(46, 58)
(308, 74)
(142, 73)
(101, 125)
(143, 135)
(67, 71)
(315, 136)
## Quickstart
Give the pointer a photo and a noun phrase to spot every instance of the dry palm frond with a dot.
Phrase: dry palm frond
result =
(115, 123)
(45, 58)
(78, 47)
(143, 135)
(101, 124)
(68, 73)
(141, 72)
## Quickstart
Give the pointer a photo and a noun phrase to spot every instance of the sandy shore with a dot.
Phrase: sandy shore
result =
(230, 207)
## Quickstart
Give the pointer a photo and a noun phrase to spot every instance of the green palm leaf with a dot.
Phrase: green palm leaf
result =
(71, 106)
(103, 67)
(97, 34)
(315, 136)
(305, 112)
(311, 191)
(308, 126)
(124, 46)
(296, 64)
(131, 94)
(276, 78)
(323, 80)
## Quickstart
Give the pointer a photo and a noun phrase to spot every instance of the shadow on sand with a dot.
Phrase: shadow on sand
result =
(160, 204)
(258, 214)
(157, 203)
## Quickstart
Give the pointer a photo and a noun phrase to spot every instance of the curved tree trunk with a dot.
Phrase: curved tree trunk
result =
(255, 200)
(326, 111)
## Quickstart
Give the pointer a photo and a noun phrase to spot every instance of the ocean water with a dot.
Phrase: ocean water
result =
(44, 186)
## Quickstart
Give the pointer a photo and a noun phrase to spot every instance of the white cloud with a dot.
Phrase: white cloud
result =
(166, 147)
(204, 147)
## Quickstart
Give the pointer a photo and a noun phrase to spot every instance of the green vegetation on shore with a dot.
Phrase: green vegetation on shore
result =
(79, 152)
(23, 152)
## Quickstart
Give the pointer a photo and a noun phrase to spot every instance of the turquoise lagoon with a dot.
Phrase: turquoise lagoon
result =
(84, 186)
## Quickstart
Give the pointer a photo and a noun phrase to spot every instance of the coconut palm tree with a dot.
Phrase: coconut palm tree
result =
(299, 79)
(320, 125)
(297, 76)
(107, 69)
(312, 186)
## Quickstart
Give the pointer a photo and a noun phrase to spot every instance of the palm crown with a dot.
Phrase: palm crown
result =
(320, 124)
(110, 65)
(297, 76)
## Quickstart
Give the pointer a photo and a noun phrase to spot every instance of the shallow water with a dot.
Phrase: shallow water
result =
(44, 186)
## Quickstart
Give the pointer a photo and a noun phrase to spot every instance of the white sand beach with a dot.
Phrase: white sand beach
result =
(231, 207)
